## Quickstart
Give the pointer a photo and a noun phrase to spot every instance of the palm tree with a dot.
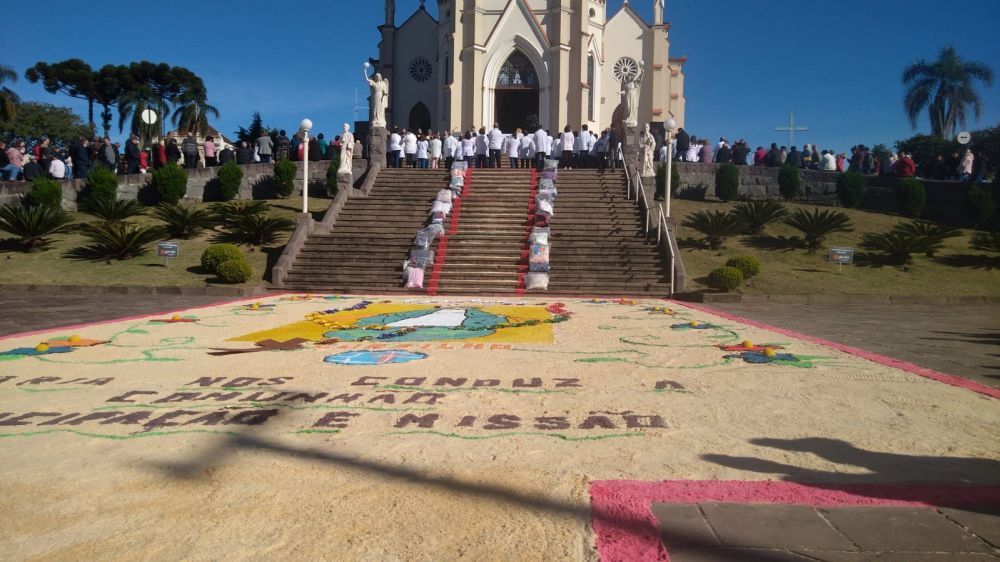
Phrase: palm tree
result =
(8, 99)
(945, 87)
(192, 111)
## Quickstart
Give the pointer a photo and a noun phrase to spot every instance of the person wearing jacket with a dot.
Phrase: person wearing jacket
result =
(132, 155)
(244, 155)
(190, 149)
(265, 147)
(81, 159)
(172, 151)
(683, 142)
(284, 146)
(794, 158)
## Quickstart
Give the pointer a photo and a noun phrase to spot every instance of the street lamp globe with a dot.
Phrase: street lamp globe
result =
(670, 124)
(306, 124)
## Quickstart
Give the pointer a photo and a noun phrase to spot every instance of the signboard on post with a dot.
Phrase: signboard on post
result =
(168, 250)
(963, 138)
(842, 256)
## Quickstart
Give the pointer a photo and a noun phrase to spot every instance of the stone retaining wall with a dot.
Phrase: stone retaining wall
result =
(945, 199)
(258, 183)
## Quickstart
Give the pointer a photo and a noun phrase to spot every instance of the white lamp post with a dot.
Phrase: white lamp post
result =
(670, 124)
(304, 127)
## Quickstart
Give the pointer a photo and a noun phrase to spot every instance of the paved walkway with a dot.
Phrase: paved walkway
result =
(797, 533)
(956, 340)
(25, 312)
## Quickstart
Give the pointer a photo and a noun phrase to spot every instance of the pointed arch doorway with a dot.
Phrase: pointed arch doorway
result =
(420, 118)
(516, 94)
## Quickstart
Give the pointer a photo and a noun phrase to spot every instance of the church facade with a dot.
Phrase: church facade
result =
(523, 63)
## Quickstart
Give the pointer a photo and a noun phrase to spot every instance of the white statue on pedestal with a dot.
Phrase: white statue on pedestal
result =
(379, 97)
(631, 88)
(647, 149)
(346, 150)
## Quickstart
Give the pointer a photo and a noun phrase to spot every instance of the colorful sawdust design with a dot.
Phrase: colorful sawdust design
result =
(363, 357)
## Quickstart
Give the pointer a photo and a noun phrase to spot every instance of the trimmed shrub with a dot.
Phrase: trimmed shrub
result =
(748, 265)
(980, 204)
(284, 176)
(661, 182)
(912, 197)
(216, 254)
(850, 189)
(725, 278)
(727, 182)
(45, 193)
(170, 183)
(102, 184)
(230, 177)
(235, 271)
(789, 182)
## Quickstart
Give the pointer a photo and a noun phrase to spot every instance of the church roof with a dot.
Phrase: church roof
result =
(529, 15)
(629, 10)
(420, 10)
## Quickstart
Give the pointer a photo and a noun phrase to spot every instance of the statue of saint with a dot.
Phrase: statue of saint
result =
(630, 97)
(379, 97)
(346, 150)
(647, 149)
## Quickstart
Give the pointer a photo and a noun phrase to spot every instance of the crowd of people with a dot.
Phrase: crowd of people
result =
(18, 161)
(486, 148)
(862, 159)
(482, 149)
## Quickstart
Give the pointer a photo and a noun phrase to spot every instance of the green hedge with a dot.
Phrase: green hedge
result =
(727, 182)
(850, 189)
(789, 182)
(725, 278)
(216, 254)
(170, 183)
(912, 197)
(235, 271)
(45, 193)
(748, 265)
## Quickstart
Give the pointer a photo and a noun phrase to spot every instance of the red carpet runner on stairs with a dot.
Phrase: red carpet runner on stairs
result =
(442, 246)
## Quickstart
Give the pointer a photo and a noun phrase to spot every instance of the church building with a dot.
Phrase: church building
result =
(523, 63)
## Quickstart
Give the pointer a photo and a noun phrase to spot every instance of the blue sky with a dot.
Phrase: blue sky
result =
(836, 66)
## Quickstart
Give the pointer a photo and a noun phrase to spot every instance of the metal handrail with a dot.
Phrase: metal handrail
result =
(645, 203)
(620, 155)
(663, 229)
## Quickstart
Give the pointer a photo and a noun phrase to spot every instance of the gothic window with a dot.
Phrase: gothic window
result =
(590, 87)
(517, 73)
(625, 69)
(421, 69)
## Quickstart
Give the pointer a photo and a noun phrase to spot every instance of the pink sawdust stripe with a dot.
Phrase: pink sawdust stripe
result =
(870, 356)
(627, 530)
(141, 316)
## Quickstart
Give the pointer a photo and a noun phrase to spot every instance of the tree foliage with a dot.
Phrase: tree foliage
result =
(8, 99)
(946, 89)
(37, 120)
(754, 216)
(119, 241)
(715, 226)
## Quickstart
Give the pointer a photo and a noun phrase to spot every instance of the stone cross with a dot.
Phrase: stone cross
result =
(791, 128)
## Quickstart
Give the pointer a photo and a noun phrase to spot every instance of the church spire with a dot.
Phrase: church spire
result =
(390, 13)
(658, 8)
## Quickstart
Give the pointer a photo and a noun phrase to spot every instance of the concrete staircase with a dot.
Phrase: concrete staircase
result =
(598, 245)
(484, 254)
(365, 250)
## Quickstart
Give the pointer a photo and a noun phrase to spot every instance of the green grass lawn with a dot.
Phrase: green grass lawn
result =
(957, 270)
(52, 267)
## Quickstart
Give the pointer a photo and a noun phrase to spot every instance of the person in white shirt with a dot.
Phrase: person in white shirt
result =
(452, 149)
(410, 148)
(482, 149)
(435, 149)
(602, 148)
(692, 152)
(527, 150)
(513, 147)
(579, 150)
(496, 146)
(469, 148)
(422, 148)
(57, 169)
(395, 148)
(829, 161)
(541, 141)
